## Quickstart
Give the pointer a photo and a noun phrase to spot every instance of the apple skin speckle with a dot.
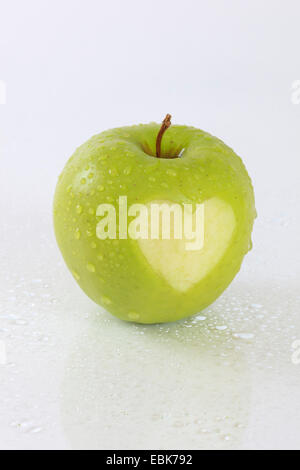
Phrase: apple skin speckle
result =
(116, 274)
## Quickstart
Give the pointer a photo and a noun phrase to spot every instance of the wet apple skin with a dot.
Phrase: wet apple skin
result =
(121, 161)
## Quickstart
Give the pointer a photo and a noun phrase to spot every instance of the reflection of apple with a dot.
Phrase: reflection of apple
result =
(162, 387)
(154, 280)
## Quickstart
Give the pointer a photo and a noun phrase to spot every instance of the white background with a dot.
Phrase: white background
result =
(74, 376)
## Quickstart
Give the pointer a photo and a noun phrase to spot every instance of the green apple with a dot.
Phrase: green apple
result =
(152, 280)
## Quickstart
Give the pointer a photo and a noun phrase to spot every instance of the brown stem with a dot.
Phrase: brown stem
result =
(165, 125)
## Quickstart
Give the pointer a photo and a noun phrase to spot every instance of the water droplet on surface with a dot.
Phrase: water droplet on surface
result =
(91, 211)
(243, 335)
(36, 430)
(221, 328)
(83, 181)
(27, 427)
(201, 318)
(100, 187)
(93, 245)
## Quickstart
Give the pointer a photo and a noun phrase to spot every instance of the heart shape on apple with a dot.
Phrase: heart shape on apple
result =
(183, 268)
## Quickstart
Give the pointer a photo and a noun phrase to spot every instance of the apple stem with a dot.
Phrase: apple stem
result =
(165, 125)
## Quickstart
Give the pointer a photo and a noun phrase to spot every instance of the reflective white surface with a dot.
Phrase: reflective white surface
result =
(73, 376)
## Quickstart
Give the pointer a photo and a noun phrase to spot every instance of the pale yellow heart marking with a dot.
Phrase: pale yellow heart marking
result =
(182, 268)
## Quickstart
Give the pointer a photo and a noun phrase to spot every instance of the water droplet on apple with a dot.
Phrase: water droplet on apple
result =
(100, 187)
(100, 257)
(91, 211)
(171, 172)
(76, 275)
(127, 170)
(105, 300)
(83, 181)
(93, 245)
(77, 234)
(133, 316)
(79, 209)
(91, 268)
